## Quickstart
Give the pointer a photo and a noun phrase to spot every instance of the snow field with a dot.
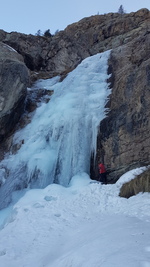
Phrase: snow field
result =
(86, 225)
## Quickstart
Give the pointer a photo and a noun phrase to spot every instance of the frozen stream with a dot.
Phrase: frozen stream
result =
(62, 134)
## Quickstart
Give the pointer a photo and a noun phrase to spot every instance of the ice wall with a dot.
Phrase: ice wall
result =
(62, 134)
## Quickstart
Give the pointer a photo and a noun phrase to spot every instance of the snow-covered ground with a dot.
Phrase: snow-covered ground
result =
(84, 225)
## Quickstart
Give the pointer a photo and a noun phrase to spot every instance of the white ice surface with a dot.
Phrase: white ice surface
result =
(47, 84)
(84, 225)
(58, 142)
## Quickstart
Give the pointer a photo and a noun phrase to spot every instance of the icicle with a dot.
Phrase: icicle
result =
(61, 137)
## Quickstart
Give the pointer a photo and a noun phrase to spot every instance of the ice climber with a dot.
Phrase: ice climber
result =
(102, 173)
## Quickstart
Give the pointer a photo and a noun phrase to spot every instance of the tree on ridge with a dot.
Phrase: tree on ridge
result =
(121, 10)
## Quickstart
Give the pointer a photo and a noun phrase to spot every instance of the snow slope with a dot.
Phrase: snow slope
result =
(84, 225)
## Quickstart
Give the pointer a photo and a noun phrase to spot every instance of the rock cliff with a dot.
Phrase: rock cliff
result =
(13, 84)
(65, 50)
(124, 138)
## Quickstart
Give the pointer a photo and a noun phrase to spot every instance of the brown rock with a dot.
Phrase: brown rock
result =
(139, 184)
(13, 84)
(65, 50)
(125, 133)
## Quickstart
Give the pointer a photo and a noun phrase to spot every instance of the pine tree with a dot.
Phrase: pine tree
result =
(121, 10)
(47, 33)
(38, 33)
(56, 32)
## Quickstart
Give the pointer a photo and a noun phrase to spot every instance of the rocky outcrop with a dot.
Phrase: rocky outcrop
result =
(64, 51)
(141, 183)
(13, 84)
(124, 138)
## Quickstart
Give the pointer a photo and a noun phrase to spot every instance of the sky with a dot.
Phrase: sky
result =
(29, 16)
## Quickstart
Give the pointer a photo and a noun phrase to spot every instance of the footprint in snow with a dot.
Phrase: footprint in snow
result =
(50, 198)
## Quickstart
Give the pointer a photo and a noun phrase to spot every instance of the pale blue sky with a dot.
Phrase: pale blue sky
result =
(29, 16)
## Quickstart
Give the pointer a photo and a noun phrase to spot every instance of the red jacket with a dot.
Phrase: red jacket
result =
(101, 168)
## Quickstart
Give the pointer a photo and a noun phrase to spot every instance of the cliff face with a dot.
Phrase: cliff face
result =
(13, 83)
(64, 51)
(124, 137)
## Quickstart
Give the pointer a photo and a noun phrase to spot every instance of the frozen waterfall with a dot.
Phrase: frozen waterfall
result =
(62, 134)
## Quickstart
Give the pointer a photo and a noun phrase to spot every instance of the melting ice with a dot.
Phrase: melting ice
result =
(62, 134)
